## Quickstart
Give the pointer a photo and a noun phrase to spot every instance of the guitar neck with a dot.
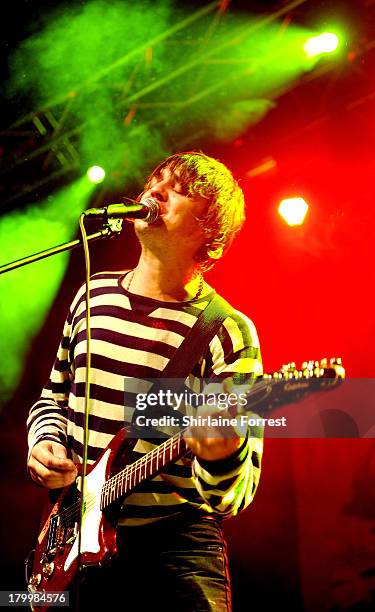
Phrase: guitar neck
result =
(144, 468)
(267, 393)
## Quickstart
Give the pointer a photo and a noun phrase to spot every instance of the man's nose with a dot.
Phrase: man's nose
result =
(159, 192)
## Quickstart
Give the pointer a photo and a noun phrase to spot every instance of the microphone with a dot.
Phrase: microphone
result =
(148, 210)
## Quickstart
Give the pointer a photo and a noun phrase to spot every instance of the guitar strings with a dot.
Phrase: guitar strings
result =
(148, 458)
(125, 475)
(122, 477)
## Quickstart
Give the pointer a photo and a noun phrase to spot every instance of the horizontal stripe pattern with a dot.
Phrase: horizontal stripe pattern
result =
(133, 338)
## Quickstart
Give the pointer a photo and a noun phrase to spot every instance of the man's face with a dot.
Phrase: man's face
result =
(178, 211)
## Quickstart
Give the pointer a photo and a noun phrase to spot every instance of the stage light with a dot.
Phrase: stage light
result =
(96, 174)
(293, 210)
(324, 43)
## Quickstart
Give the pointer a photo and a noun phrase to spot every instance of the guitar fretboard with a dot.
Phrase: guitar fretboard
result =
(144, 468)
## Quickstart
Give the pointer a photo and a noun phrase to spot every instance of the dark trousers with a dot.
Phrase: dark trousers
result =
(177, 564)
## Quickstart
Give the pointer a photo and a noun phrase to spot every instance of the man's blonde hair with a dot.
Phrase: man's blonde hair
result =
(207, 177)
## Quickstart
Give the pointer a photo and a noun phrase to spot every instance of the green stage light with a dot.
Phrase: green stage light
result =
(324, 43)
(96, 174)
(34, 228)
(149, 104)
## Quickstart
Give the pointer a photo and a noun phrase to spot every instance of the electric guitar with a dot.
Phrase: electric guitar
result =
(53, 565)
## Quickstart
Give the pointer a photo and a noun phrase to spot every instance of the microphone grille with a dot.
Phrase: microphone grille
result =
(154, 209)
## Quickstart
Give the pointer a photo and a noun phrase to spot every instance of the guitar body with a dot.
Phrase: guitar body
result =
(54, 560)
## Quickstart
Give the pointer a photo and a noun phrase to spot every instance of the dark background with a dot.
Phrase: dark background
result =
(307, 541)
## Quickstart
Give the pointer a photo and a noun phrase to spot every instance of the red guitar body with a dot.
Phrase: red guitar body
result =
(54, 561)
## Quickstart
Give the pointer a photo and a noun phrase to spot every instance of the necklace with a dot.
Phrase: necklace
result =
(130, 275)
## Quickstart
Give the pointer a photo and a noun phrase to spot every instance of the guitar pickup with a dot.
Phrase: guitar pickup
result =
(52, 533)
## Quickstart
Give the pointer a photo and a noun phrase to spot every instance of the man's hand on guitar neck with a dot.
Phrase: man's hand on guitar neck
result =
(215, 443)
(48, 465)
(212, 449)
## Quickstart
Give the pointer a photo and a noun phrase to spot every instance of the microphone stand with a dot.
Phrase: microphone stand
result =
(110, 228)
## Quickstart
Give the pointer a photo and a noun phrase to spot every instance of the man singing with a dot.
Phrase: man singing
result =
(172, 555)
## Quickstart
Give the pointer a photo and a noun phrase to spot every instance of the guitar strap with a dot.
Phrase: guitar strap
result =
(190, 350)
(197, 339)
(186, 356)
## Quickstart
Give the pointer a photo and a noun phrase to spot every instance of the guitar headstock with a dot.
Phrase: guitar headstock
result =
(290, 383)
(324, 368)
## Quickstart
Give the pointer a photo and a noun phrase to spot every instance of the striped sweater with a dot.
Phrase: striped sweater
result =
(133, 338)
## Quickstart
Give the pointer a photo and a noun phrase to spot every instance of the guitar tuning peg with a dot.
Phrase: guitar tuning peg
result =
(335, 361)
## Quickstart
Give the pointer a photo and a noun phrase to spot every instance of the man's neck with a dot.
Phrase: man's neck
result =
(165, 281)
